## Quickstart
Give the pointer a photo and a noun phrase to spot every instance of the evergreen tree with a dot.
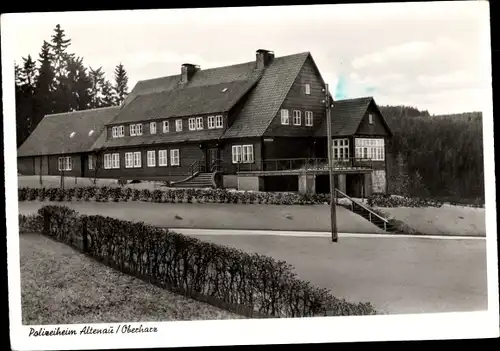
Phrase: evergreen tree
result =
(77, 85)
(60, 57)
(121, 84)
(17, 75)
(28, 73)
(101, 89)
(61, 60)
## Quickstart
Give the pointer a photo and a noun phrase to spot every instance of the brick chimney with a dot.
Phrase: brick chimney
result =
(264, 58)
(187, 72)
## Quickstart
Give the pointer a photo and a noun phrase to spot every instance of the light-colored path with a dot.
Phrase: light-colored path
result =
(399, 275)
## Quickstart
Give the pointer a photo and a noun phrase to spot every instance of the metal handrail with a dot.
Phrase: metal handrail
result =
(361, 205)
(306, 164)
(215, 165)
(191, 167)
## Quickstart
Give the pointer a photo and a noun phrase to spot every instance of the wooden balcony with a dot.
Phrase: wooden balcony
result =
(292, 166)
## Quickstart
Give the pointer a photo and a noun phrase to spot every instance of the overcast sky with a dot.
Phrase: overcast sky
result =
(432, 56)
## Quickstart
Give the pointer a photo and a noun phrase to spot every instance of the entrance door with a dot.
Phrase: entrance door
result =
(212, 155)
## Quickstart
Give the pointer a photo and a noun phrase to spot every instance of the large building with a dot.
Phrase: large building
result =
(259, 125)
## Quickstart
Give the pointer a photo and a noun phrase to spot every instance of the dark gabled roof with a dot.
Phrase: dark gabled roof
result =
(347, 115)
(53, 134)
(166, 97)
(265, 100)
(192, 100)
(212, 76)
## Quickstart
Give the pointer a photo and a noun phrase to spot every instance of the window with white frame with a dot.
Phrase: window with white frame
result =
(285, 119)
(340, 149)
(370, 118)
(151, 158)
(211, 122)
(152, 127)
(137, 159)
(307, 89)
(174, 157)
(111, 161)
(192, 123)
(178, 125)
(107, 161)
(370, 148)
(162, 158)
(309, 118)
(118, 131)
(247, 153)
(236, 153)
(129, 160)
(115, 160)
(166, 127)
(199, 123)
(64, 163)
(296, 118)
(242, 154)
(136, 129)
(218, 121)
(91, 162)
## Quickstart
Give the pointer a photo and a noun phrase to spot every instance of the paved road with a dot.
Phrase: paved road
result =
(398, 275)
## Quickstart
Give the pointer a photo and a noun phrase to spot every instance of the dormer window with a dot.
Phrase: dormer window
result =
(307, 89)
(166, 127)
(199, 123)
(178, 125)
(211, 122)
(117, 131)
(152, 128)
(136, 129)
(285, 118)
(218, 121)
(192, 123)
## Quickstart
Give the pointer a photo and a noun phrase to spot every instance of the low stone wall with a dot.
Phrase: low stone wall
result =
(252, 183)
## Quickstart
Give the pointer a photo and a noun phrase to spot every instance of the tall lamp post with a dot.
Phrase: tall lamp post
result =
(333, 209)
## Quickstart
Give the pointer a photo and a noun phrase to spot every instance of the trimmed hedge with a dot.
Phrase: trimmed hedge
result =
(180, 195)
(250, 284)
(382, 200)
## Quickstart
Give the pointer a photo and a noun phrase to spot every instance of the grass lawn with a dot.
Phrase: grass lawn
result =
(445, 220)
(220, 216)
(397, 275)
(62, 286)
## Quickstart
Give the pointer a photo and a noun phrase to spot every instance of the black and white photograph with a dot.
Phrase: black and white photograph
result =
(249, 175)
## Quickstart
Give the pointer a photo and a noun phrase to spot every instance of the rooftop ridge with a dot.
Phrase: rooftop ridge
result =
(80, 111)
(219, 67)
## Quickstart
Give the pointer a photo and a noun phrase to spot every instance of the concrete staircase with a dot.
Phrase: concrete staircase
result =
(367, 213)
(198, 180)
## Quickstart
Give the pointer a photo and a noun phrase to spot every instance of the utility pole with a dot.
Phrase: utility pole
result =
(333, 209)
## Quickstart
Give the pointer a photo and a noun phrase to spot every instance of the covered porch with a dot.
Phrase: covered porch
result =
(307, 176)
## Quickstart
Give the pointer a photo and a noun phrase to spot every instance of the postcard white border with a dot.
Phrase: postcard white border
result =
(251, 331)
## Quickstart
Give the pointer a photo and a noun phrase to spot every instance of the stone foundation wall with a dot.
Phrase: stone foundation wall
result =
(379, 181)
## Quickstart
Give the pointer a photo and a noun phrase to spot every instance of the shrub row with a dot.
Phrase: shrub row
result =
(116, 194)
(382, 200)
(196, 268)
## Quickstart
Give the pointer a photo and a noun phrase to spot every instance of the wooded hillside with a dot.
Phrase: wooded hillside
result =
(438, 156)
